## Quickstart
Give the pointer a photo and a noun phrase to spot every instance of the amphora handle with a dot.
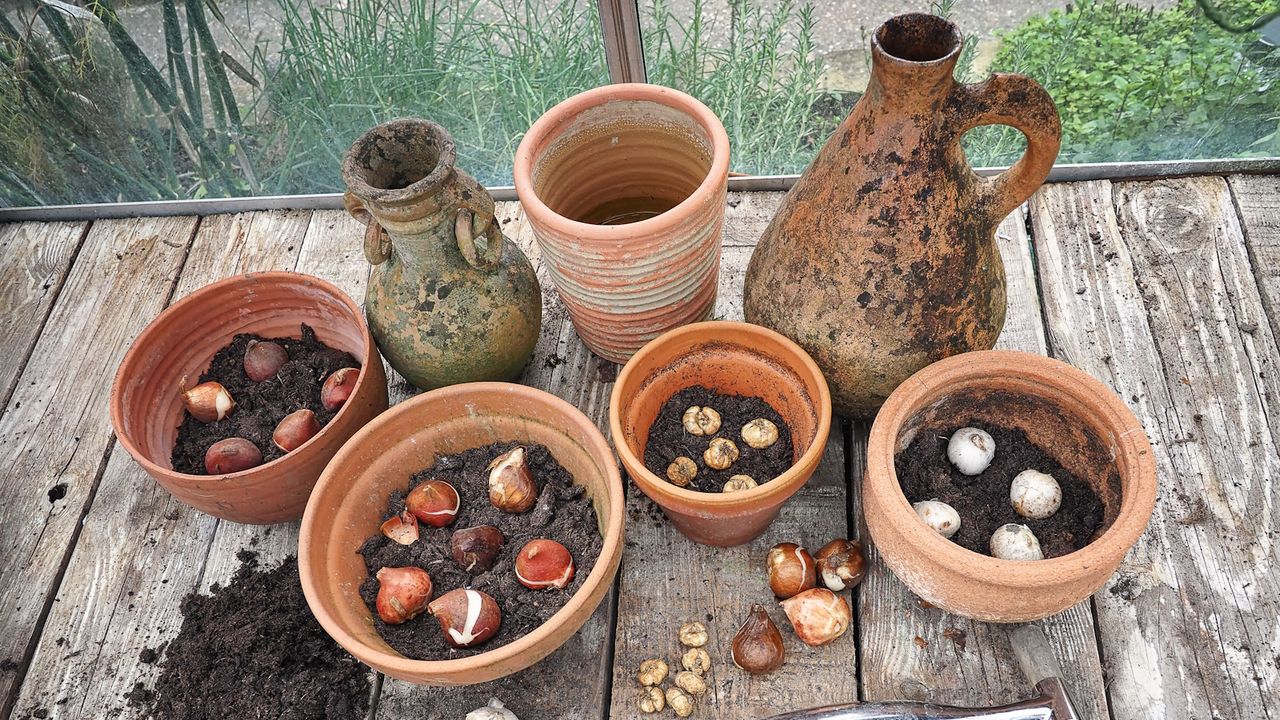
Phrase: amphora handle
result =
(1019, 102)
(474, 227)
(377, 244)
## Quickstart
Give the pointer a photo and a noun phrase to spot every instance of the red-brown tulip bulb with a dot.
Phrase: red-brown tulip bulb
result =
(403, 593)
(467, 617)
(231, 455)
(262, 360)
(338, 387)
(295, 429)
(544, 564)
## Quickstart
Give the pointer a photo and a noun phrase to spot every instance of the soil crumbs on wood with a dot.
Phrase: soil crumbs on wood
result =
(668, 439)
(252, 649)
(260, 406)
(562, 513)
(925, 473)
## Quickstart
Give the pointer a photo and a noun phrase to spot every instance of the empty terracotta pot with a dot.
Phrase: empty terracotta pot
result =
(348, 503)
(146, 405)
(1070, 415)
(624, 187)
(731, 358)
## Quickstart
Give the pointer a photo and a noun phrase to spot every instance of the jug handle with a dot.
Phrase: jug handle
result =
(377, 244)
(474, 226)
(1019, 102)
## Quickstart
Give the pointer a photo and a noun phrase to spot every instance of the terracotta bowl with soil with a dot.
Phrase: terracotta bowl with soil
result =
(728, 358)
(147, 407)
(349, 503)
(1072, 418)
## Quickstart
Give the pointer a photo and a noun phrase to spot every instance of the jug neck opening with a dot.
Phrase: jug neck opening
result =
(915, 48)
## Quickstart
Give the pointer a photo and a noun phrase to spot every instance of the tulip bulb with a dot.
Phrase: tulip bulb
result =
(338, 387)
(208, 401)
(819, 616)
(758, 647)
(467, 617)
(295, 429)
(231, 455)
(262, 360)
(543, 563)
(434, 502)
(403, 593)
(511, 485)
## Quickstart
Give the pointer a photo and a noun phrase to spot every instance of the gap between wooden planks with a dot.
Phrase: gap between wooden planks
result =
(1149, 287)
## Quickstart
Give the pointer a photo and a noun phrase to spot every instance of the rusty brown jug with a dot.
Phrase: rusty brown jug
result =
(882, 257)
(450, 298)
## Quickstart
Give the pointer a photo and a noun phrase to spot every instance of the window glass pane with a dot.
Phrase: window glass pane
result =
(1146, 81)
(166, 100)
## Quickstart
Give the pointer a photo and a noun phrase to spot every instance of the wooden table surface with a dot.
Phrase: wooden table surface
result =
(1168, 291)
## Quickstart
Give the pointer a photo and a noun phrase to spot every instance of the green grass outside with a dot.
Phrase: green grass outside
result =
(84, 116)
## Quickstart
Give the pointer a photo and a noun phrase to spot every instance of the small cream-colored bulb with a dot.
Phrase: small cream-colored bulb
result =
(938, 515)
(971, 450)
(1035, 495)
(1012, 541)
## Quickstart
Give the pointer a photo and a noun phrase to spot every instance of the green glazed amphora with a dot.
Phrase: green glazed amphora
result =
(450, 298)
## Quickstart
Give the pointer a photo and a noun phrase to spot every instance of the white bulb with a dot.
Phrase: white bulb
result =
(1035, 495)
(939, 516)
(493, 711)
(1015, 542)
(971, 450)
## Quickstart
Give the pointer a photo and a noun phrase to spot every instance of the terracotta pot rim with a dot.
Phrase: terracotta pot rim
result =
(211, 293)
(952, 29)
(782, 485)
(600, 571)
(357, 185)
(564, 112)
(1137, 502)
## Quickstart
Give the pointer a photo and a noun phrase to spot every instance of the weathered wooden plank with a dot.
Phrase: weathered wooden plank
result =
(1258, 202)
(141, 551)
(667, 580)
(572, 682)
(56, 434)
(1148, 287)
(34, 261)
(909, 651)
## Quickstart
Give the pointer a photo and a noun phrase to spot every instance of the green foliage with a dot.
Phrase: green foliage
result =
(762, 83)
(485, 71)
(1139, 84)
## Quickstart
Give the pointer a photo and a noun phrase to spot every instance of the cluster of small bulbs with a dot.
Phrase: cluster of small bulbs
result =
(721, 452)
(468, 617)
(210, 402)
(1033, 494)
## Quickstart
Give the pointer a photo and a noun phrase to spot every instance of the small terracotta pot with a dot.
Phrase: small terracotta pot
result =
(731, 358)
(348, 503)
(1070, 415)
(146, 405)
(624, 187)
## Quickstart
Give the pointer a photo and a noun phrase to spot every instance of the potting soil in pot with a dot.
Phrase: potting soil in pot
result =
(253, 649)
(260, 406)
(563, 513)
(925, 473)
(668, 439)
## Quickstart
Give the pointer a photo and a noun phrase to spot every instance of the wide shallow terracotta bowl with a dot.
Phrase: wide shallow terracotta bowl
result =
(731, 358)
(146, 405)
(1073, 417)
(348, 503)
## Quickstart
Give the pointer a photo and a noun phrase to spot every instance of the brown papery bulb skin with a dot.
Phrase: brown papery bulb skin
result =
(262, 360)
(475, 549)
(208, 401)
(467, 617)
(231, 455)
(403, 593)
(842, 564)
(791, 569)
(338, 387)
(435, 502)
(402, 528)
(758, 647)
(511, 485)
(818, 616)
(295, 429)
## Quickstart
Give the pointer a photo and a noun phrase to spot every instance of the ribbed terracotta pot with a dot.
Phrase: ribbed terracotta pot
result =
(1073, 417)
(146, 405)
(731, 358)
(348, 502)
(624, 187)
